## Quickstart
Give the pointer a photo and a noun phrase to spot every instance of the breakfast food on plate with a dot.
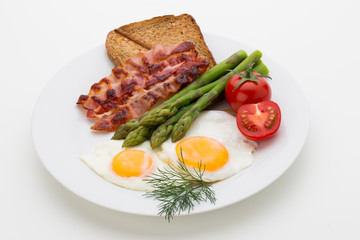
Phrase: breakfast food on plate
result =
(165, 144)
(214, 141)
(124, 167)
(167, 30)
(210, 151)
(144, 79)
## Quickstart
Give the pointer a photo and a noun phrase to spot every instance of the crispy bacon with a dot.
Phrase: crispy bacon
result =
(133, 89)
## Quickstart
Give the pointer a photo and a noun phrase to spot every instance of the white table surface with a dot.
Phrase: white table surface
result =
(316, 41)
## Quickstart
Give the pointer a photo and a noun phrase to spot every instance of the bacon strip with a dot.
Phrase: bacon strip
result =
(133, 89)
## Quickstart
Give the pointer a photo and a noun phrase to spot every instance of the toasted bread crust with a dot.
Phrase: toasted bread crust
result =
(166, 30)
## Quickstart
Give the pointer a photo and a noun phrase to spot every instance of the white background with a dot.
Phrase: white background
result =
(316, 41)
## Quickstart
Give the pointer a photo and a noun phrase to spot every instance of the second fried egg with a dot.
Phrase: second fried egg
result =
(215, 141)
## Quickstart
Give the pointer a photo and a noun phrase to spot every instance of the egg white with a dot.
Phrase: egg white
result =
(219, 125)
(99, 159)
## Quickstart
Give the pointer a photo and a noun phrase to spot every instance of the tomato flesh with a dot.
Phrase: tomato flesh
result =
(259, 121)
(247, 92)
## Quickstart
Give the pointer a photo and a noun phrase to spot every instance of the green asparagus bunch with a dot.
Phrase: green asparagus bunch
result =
(175, 116)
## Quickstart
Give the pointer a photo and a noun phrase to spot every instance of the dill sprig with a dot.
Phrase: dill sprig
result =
(178, 189)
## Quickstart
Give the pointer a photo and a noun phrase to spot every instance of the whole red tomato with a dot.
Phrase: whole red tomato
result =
(253, 90)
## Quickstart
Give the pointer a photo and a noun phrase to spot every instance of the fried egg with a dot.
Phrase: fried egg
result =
(215, 141)
(125, 167)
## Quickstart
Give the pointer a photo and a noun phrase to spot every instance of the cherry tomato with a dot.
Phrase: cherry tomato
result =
(247, 92)
(259, 121)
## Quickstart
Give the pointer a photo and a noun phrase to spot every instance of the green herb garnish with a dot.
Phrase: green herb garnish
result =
(178, 189)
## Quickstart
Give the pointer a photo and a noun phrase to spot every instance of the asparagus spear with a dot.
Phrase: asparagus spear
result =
(183, 125)
(261, 68)
(125, 129)
(257, 63)
(138, 136)
(162, 132)
(160, 115)
(208, 77)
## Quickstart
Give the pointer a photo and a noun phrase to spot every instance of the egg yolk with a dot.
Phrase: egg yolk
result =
(212, 154)
(131, 163)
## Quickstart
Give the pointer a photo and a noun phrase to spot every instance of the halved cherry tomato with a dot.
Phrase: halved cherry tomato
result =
(246, 92)
(259, 121)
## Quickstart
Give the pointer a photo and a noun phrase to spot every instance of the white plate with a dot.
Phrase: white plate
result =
(61, 133)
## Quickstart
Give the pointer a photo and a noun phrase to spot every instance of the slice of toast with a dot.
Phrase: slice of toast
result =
(165, 30)
(120, 48)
